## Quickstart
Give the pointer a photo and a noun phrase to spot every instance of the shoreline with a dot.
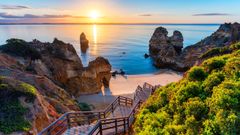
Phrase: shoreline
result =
(126, 85)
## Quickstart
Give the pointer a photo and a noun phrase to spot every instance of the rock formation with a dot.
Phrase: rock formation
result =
(83, 42)
(167, 51)
(58, 75)
(164, 49)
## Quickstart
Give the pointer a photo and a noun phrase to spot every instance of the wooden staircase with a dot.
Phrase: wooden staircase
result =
(116, 118)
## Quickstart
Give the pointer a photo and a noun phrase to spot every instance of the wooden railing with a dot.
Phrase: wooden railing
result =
(72, 119)
(117, 124)
(99, 118)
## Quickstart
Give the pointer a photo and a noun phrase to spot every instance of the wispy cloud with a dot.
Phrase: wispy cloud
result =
(212, 14)
(15, 7)
(145, 15)
(30, 16)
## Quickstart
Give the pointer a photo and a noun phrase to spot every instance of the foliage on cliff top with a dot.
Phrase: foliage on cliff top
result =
(12, 112)
(206, 101)
(20, 48)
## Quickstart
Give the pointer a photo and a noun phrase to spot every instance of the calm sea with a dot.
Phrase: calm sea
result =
(123, 45)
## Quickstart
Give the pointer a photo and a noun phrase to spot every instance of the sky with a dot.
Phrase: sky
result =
(119, 11)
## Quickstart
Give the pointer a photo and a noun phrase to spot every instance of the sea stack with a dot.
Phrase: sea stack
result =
(84, 42)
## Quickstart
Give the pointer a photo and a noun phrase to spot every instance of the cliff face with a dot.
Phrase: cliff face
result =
(55, 71)
(166, 56)
(61, 63)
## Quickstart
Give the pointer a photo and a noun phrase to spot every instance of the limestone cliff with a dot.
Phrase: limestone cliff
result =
(167, 51)
(56, 74)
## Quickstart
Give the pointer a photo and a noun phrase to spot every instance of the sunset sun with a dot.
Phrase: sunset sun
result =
(94, 14)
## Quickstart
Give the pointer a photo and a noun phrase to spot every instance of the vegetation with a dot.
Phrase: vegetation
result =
(20, 48)
(84, 106)
(206, 101)
(12, 116)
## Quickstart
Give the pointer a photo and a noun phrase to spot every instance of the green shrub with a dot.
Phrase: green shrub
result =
(206, 101)
(212, 80)
(195, 107)
(12, 113)
(216, 52)
(196, 74)
(84, 106)
(12, 117)
(235, 46)
(192, 89)
(225, 96)
(216, 63)
(20, 48)
(232, 68)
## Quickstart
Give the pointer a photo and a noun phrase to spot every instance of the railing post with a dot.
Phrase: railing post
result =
(100, 128)
(116, 126)
(112, 108)
(125, 101)
(99, 115)
(68, 121)
(124, 125)
(48, 132)
(118, 100)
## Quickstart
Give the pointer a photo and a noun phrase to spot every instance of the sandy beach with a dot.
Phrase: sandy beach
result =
(126, 85)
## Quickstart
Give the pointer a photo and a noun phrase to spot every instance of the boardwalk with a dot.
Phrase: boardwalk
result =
(116, 118)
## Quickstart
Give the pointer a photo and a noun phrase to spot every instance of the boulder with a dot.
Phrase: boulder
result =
(84, 42)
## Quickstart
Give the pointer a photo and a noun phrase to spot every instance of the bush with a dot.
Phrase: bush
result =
(12, 116)
(206, 101)
(12, 113)
(216, 63)
(84, 106)
(212, 80)
(195, 107)
(20, 48)
(196, 74)
(232, 68)
(192, 89)
(235, 46)
(216, 52)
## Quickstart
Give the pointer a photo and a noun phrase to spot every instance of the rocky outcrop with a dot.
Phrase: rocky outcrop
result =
(58, 76)
(61, 63)
(167, 51)
(84, 43)
(51, 100)
(93, 77)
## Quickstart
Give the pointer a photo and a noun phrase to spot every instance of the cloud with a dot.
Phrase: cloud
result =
(16, 7)
(31, 16)
(212, 14)
(145, 15)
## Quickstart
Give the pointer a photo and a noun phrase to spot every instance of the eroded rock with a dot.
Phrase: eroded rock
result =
(84, 42)
(167, 51)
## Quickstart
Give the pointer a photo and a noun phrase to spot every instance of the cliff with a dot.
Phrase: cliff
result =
(165, 54)
(55, 74)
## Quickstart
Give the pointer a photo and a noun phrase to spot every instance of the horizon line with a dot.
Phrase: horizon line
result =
(110, 23)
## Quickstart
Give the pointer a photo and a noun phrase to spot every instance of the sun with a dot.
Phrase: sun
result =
(94, 14)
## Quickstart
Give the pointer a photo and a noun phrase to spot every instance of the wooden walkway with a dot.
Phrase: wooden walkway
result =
(116, 118)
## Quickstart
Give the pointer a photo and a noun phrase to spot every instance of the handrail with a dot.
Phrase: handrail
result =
(98, 114)
(115, 120)
(71, 119)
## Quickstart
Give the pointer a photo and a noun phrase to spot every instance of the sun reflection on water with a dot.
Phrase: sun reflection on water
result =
(94, 39)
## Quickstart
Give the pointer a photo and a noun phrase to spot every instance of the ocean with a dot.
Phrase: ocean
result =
(123, 45)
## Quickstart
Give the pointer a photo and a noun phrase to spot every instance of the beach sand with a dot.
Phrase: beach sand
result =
(126, 85)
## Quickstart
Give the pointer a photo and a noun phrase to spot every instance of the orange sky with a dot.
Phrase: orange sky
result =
(120, 11)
